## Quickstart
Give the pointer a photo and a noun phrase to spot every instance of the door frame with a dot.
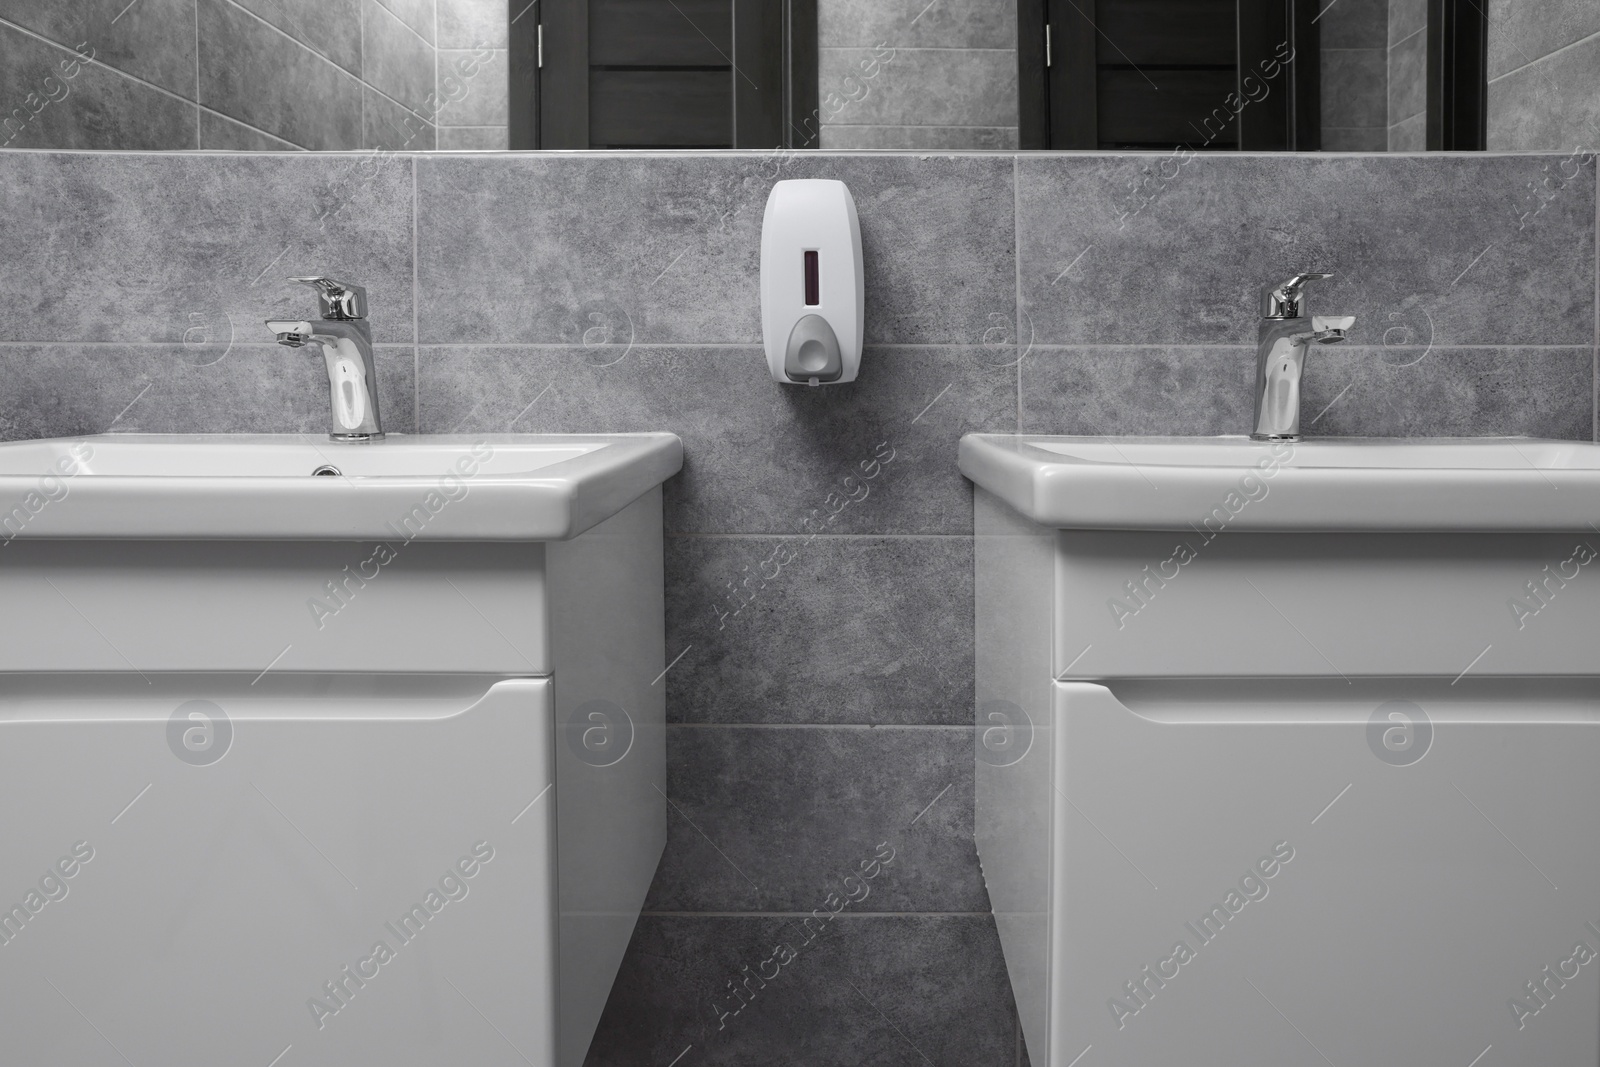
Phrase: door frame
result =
(549, 100)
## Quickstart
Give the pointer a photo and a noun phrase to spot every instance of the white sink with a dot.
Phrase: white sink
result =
(1266, 732)
(494, 487)
(1170, 483)
(370, 764)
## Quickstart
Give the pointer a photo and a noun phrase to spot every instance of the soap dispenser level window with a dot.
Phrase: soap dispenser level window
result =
(813, 283)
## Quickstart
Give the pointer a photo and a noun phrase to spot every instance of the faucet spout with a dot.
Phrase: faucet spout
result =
(344, 338)
(1285, 335)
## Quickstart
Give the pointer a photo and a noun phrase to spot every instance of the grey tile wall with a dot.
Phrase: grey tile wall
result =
(244, 75)
(1408, 70)
(909, 74)
(819, 556)
(473, 80)
(1545, 100)
(1355, 76)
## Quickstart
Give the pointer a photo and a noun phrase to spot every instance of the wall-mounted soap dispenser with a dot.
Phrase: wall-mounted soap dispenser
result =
(812, 295)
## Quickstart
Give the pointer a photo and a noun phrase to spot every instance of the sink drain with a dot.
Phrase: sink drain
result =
(327, 470)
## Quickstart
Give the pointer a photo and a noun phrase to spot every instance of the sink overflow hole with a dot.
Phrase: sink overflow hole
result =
(327, 470)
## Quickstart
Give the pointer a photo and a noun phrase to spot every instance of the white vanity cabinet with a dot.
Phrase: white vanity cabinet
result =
(348, 770)
(1262, 782)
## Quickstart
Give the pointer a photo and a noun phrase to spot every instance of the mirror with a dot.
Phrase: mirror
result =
(1208, 75)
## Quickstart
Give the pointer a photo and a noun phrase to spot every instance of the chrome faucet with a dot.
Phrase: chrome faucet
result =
(1285, 334)
(345, 339)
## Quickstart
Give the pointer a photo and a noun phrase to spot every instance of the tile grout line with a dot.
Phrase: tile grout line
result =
(1595, 362)
(1016, 259)
(416, 302)
(1591, 38)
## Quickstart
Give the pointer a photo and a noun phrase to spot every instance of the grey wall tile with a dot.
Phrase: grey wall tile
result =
(205, 385)
(1408, 86)
(982, 138)
(822, 630)
(94, 108)
(394, 60)
(472, 138)
(648, 240)
(1364, 140)
(1552, 105)
(1400, 233)
(1354, 23)
(127, 247)
(906, 991)
(1409, 135)
(475, 23)
(254, 73)
(1398, 391)
(1443, 392)
(419, 15)
(762, 457)
(1520, 33)
(387, 125)
(1144, 390)
(478, 98)
(139, 40)
(331, 27)
(219, 133)
(1354, 87)
(920, 86)
(918, 24)
(783, 814)
(1405, 18)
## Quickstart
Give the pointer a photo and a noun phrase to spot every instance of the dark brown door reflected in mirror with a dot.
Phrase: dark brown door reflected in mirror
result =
(1221, 75)
(689, 74)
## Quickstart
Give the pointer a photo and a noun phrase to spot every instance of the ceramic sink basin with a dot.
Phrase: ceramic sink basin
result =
(1328, 484)
(494, 487)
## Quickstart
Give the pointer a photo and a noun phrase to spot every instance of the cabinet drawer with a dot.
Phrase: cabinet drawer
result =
(291, 606)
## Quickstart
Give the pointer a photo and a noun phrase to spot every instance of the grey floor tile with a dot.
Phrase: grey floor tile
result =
(917, 24)
(823, 630)
(1443, 392)
(901, 991)
(220, 133)
(761, 457)
(206, 385)
(394, 60)
(784, 815)
(93, 108)
(1549, 106)
(1155, 390)
(672, 244)
(129, 247)
(253, 73)
(1354, 23)
(1181, 259)
(919, 86)
(474, 24)
(1520, 33)
(331, 27)
(473, 88)
(1353, 87)
(472, 138)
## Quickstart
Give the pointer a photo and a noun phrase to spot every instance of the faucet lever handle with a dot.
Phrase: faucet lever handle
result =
(1283, 301)
(337, 300)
